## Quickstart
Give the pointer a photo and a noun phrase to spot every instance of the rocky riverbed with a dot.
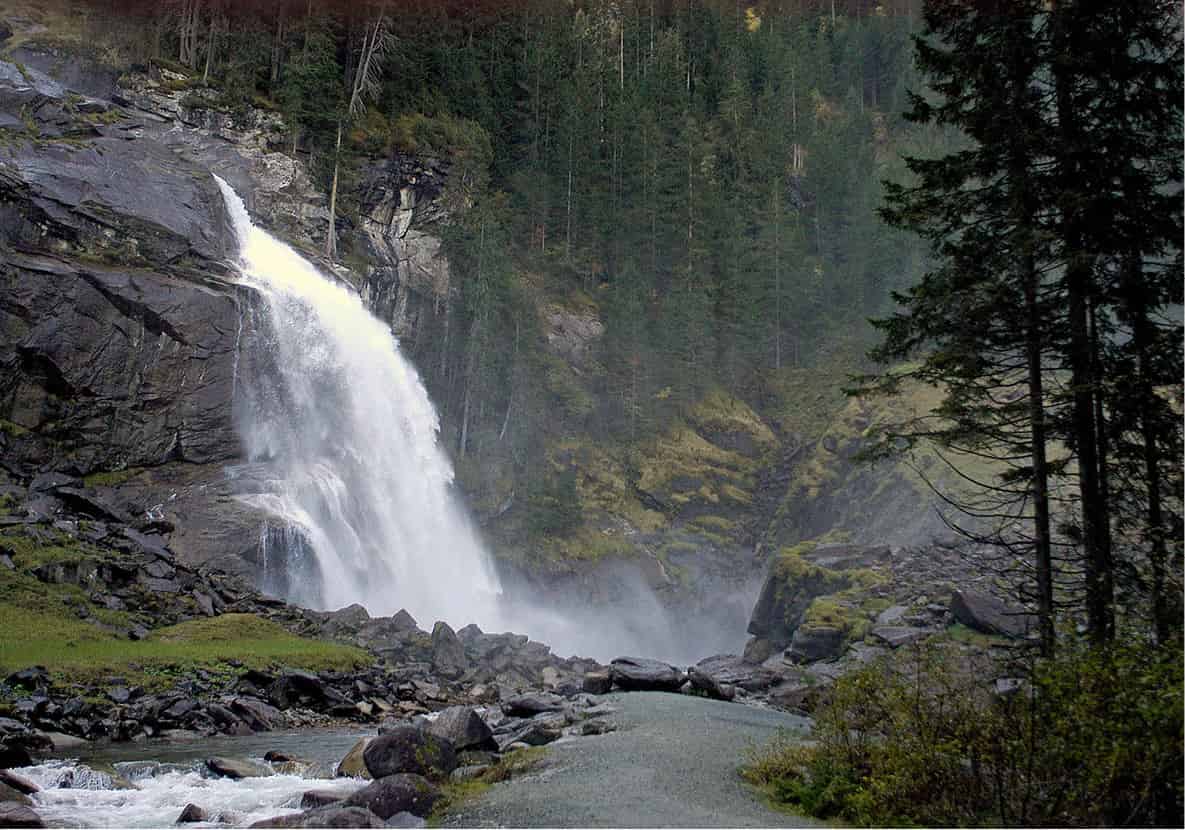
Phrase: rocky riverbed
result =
(617, 760)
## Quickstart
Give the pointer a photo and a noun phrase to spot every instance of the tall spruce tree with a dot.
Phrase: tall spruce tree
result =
(1057, 232)
(978, 209)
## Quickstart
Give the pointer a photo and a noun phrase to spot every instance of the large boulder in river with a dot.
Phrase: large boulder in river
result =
(400, 793)
(238, 768)
(989, 615)
(410, 749)
(354, 764)
(644, 674)
(464, 728)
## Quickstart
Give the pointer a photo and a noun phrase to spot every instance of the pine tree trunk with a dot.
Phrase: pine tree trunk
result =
(1079, 282)
(1040, 479)
(1024, 212)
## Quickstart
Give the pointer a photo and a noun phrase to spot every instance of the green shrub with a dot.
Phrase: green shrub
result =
(1092, 737)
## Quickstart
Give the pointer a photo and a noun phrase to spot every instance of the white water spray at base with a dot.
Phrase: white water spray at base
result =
(347, 425)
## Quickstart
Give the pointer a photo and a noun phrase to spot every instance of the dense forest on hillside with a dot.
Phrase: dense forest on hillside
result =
(838, 340)
(705, 175)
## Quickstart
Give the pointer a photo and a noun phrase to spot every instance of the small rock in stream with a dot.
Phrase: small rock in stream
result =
(192, 813)
(319, 798)
(237, 768)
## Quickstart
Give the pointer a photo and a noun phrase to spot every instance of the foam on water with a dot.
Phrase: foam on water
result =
(161, 793)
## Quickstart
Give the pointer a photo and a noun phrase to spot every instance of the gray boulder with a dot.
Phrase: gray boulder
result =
(644, 674)
(313, 799)
(399, 793)
(410, 749)
(191, 814)
(597, 682)
(730, 670)
(814, 643)
(531, 733)
(238, 768)
(895, 636)
(989, 615)
(464, 728)
(260, 716)
(406, 820)
(706, 684)
(354, 764)
(529, 705)
(448, 653)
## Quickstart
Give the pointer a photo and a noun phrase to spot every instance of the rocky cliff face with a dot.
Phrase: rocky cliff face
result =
(120, 321)
(118, 325)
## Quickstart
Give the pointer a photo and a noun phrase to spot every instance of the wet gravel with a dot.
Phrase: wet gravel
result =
(672, 763)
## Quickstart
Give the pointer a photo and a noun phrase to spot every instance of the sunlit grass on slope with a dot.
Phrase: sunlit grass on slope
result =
(59, 627)
(76, 651)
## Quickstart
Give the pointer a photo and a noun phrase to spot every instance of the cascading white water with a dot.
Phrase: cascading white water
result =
(346, 424)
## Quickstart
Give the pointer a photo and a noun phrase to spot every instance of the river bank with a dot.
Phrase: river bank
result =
(664, 760)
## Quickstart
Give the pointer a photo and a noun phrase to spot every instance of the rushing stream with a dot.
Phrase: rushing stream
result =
(346, 424)
(83, 793)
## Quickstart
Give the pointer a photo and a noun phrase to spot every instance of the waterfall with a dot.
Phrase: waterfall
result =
(346, 427)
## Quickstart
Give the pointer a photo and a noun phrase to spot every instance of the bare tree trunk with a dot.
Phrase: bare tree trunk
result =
(210, 42)
(510, 396)
(331, 235)
(777, 281)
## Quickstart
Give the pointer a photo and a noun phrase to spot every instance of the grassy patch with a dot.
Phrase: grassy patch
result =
(455, 794)
(111, 478)
(960, 633)
(75, 650)
(28, 552)
(11, 429)
(720, 413)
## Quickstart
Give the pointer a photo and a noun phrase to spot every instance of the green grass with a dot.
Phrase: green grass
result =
(12, 429)
(111, 478)
(77, 651)
(960, 633)
(454, 794)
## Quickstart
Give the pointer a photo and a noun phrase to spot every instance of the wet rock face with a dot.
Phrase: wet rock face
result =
(400, 208)
(105, 367)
